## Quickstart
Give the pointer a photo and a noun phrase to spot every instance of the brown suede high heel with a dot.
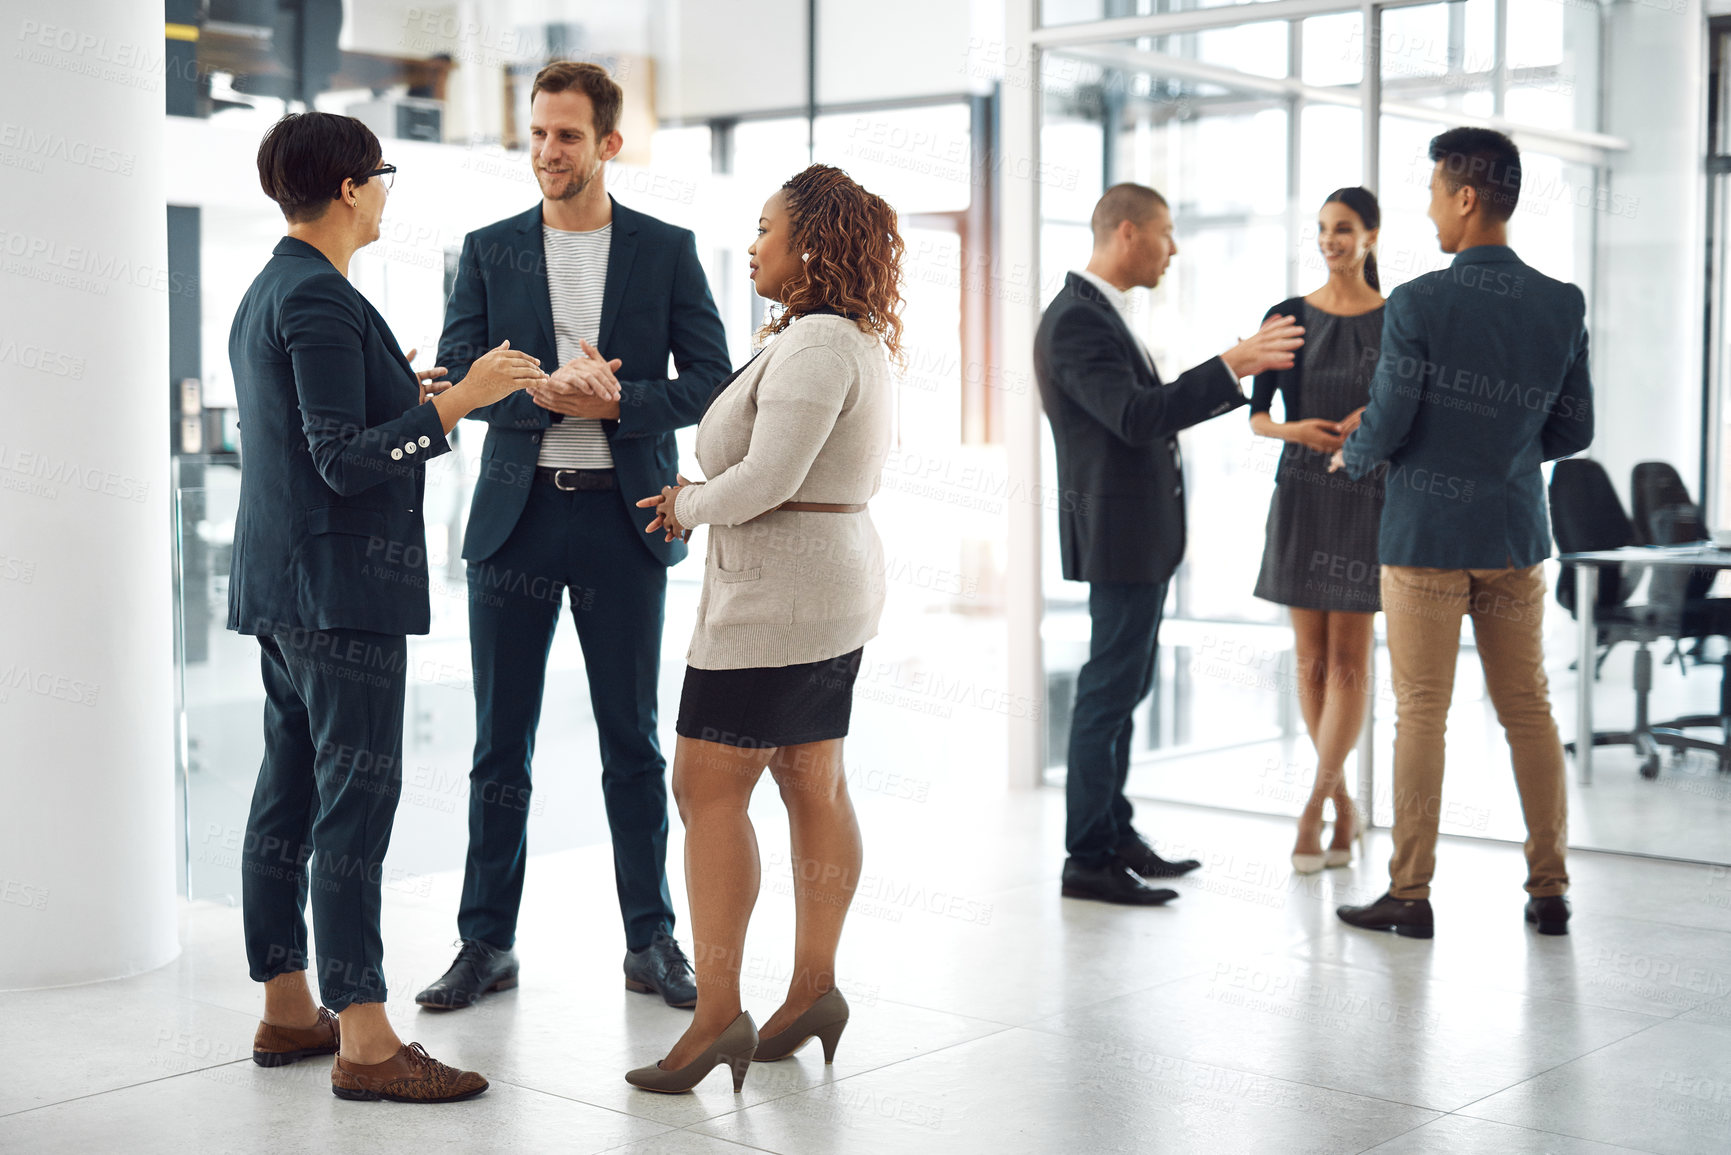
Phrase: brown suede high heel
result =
(734, 1046)
(824, 1020)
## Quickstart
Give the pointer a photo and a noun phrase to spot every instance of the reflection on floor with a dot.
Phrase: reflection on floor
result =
(990, 1015)
(1684, 813)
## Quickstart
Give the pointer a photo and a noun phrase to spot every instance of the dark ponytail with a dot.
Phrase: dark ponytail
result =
(1363, 202)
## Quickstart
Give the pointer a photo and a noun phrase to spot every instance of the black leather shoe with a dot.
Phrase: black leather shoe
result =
(661, 968)
(1405, 916)
(1112, 883)
(1550, 914)
(479, 968)
(1135, 853)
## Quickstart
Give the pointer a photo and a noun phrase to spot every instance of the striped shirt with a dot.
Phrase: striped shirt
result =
(576, 276)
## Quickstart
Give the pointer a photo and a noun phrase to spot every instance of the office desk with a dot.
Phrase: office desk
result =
(1586, 597)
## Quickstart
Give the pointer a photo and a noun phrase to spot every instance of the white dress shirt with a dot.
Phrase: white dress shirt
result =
(1119, 299)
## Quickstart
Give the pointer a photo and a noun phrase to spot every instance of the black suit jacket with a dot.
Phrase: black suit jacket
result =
(656, 301)
(334, 438)
(1121, 512)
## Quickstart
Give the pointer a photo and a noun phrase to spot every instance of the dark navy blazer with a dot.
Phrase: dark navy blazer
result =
(656, 301)
(333, 440)
(1115, 427)
(1483, 376)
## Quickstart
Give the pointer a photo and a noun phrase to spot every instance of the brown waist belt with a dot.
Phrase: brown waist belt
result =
(809, 507)
(820, 507)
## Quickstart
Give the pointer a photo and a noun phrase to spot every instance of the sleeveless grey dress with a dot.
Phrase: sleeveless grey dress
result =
(1322, 526)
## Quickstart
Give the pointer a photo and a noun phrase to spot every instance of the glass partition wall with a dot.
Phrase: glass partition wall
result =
(939, 512)
(1246, 118)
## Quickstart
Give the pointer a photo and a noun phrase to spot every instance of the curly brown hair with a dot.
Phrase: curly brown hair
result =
(856, 256)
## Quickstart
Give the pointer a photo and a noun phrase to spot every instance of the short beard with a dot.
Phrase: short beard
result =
(576, 188)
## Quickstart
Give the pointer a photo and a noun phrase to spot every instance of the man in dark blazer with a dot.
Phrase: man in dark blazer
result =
(1121, 521)
(553, 515)
(1483, 376)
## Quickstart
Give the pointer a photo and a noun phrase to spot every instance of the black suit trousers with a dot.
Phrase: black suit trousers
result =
(1118, 674)
(323, 807)
(578, 545)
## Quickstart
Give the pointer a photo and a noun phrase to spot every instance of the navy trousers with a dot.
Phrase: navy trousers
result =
(578, 546)
(1119, 673)
(325, 799)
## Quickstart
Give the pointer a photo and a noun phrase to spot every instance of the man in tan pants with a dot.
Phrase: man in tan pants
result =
(1482, 377)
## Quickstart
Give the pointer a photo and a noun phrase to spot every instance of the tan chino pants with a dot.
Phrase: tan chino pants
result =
(1424, 609)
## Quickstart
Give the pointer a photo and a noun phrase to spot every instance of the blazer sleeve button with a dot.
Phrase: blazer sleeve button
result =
(425, 441)
(409, 447)
(396, 455)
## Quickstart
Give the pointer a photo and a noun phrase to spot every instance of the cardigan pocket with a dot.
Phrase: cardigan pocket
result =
(743, 598)
(744, 575)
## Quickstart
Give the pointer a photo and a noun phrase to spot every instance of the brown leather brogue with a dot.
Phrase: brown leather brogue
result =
(277, 1046)
(409, 1076)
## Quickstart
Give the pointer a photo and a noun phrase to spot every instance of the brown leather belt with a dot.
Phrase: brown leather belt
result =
(819, 507)
(808, 507)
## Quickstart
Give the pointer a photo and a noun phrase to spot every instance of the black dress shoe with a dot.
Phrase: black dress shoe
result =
(1112, 883)
(1550, 913)
(1135, 853)
(479, 968)
(1405, 916)
(662, 969)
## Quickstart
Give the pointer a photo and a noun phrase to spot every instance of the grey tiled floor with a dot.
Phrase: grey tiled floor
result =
(990, 1015)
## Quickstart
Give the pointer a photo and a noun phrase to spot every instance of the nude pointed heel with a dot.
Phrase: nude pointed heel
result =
(824, 1021)
(735, 1047)
(1342, 856)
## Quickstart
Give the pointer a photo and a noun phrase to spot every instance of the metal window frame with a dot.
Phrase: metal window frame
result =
(1028, 42)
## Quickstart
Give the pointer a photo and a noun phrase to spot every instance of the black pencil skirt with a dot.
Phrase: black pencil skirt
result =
(769, 706)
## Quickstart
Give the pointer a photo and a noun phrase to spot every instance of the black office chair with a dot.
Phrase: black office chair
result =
(1701, 618)
(1587, 515)
(1654, 486)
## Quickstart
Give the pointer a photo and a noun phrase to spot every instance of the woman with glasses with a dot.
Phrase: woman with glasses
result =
(330, 575)
(793, 445)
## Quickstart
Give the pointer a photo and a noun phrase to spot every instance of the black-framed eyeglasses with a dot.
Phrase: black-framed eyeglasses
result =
(388, 171)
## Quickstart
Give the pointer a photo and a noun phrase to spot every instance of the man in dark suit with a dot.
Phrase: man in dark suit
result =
(1483, 376)
(1121, 523)
(553, 514)
(329, 573)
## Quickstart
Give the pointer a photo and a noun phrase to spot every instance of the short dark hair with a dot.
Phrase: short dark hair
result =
(1484, 160)
(1124, 202)
(592, 80)
(306, 156)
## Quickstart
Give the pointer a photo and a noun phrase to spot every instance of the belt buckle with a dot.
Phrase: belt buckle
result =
(557, 474)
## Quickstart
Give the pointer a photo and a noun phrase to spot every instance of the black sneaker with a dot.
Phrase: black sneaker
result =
(1405, 916)
(1549, 913)
(479, 968)
(661, 968)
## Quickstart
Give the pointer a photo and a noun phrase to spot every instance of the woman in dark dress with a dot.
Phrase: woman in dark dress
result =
(1321, 559)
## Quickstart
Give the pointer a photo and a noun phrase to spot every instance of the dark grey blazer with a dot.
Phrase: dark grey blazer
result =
(334, 438)
(1483, 376)
(1121, 483)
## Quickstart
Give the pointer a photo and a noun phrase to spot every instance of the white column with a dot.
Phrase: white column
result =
(1020, 250)
(87, 823)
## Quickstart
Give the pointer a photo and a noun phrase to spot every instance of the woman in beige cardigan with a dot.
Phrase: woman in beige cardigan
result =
(793, 445)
